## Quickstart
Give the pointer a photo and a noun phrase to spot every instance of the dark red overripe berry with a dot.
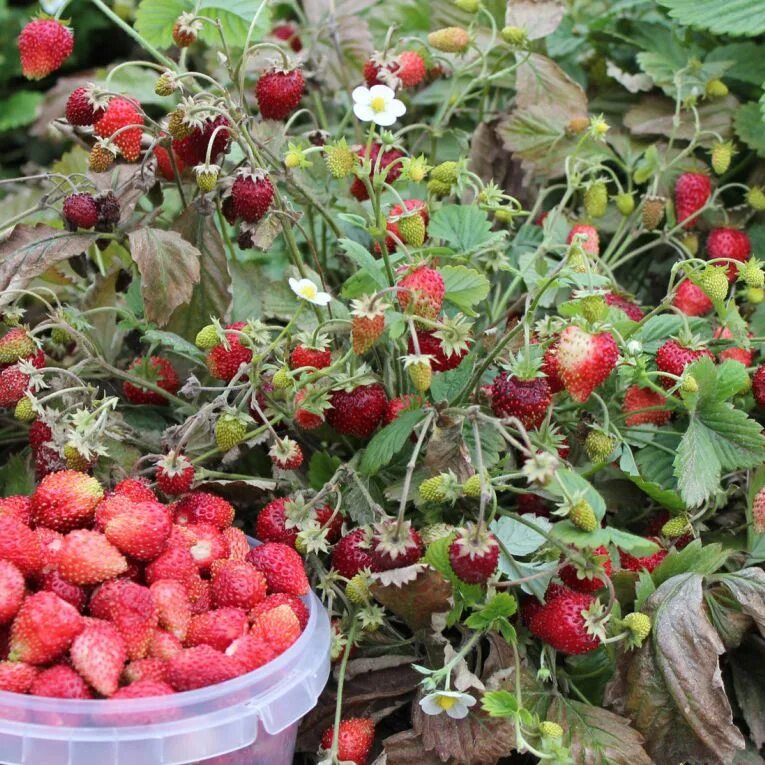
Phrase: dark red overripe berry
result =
(279, 93)
(528, 400)
(357, 412)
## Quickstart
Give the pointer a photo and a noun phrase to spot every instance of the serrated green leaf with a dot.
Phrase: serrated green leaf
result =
(464, 287)
(462, 227)
(747, 61)
(154, 20)
(321, 468)
(517, 538)
(568, 484)
(389, 441)
(235, 17)
(565, 531)
(500, 606)
(749, 124)
(19, 109)
(500, 704)
(693, 558)
(16, 477)
(632, 543)
(364, 259)
(644, 588)
(446, 385)
(743, 18)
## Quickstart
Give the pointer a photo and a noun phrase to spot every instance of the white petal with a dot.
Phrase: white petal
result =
(364, 112)
(294, 285)
(361, 95)
(458, 712)
(378, 91)
(396, 108)
(430, 706)
(384, 119)
(468, 700)
(322, 298)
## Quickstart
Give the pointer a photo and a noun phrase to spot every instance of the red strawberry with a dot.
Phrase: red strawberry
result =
(236, 539)
(395, 545)
(306, 356)
(282, 599)
(43, 629)
(411, 69)
(270, 525)
(203, 507)
(88, 557)
(632, 309)
(20, 546)
(354, 739)
(206, 544)
(200, 666)
(217, 628)
(473, 555)
(357, 412)
(253, 194)
(158, 371)
(99, 654)
(729, 243)
(585, 360)
(112, 506)
(387, 163)
(279, 93)
(282, 567)
(136, 489)
(164, 645)
(224, 362)
(692, 192)
(145, 669)
(16, 677)
(742, 355)
(570, 575)
(12, 590)
(288, 32)
(201, 600)
(81, 109)
(590, 241)
(143, 689)
(421, 292)
(120, 113)
(396, 212)
(175, 474)
(13, 385)
(44, 45)
(192, 150)
(637, 399)
(39, 434)
(60, 682)
(165, 163)
(352, 554)
(431, 346)
(691, 299)
(673, 358)
(560, 623)
(173, 606)
(532, 503)
(71, 593)
(304, 418)
(143, 532)
(758, 385)
(550, 368)
(236, 584)
(174, 563)
(251, 652)
(638, 564)
(277, 627)
(528, 400)
(50, 542)
(20, 507)
(131, 608)
(395, 406)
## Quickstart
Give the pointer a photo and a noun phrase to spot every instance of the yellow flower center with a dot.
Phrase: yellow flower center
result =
(308, 291)
(377, 104)
(446, 702)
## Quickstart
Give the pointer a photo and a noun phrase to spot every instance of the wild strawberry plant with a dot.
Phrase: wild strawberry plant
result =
(459, 302)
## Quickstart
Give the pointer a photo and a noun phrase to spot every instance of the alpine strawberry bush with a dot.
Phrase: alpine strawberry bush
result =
(458, 307)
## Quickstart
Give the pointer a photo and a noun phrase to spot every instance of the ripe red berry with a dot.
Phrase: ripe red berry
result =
(236, 584)
(673, 358)
(174, 475)
(570, 576)
(430, 345)
(306, 356)
(44, 45)
(632, 309)
(120, 113)
(473, 555)
(61, 682)
(352, 554)
(253, 194)
(395, 545)
(357, 412)
(303, 417)
(199, 666)
(638, 564)
(13, 385)
(288, 32)
(744, 356)
(279, 93)
(387, 164)
(528, 400)
(560, 623)
(224, 362)
(400, 404)
(422, 292)
(691, 299)
(80, 211)
(637, 399)
(66, 500)
(192, 149)
(81, 110)
(159, 371)
(203, 507)
(411, 69)
(354, 739)
(589, 239)
(692, 192)
(282, 566)
(758, 385)
(729, 243)
(164, 163)
(280, 599)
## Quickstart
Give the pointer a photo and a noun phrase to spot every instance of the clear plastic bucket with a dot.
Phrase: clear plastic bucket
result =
(251, 720)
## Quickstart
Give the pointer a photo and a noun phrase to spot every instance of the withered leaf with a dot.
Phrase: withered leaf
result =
(30, 251)
(169, 267)
(415, 602)
(748, 669)
(748, 588)
(672, 688)
(446, 451)
(406, 748)
(538, 18)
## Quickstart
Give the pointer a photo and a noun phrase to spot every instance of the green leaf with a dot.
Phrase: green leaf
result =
(154, 20)
(747, 61)
(462, 227)
(321, 468)
(361, 256)
(743, 18)
(19, 109)
(565, 531)
(516, 537)
(437, 556)
(694, 558)
(644, 588)
(500, 704)
(464, 287)
(446, 385)
(173, 342)
(654, 332)
(569, 484)
(235, 17)
(16, 477)
(632, 543)
(389, 441)
(501, 606)
(750, 127)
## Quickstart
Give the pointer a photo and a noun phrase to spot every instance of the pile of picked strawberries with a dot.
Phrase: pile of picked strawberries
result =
(117, 595)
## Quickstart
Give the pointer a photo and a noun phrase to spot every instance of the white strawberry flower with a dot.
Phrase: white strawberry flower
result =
(307, 290)
(455, 704)
(377, 104)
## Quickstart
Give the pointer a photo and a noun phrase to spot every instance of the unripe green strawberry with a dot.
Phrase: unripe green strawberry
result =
(716, 89)
(722, 154)
(691, 243)
(60, 336)
(472, 487)
(714, 283)
(207, 177)
(594, 308)
(550, 729)
(598, 445)
(754, 295)
(435, 531)
(230, 430)
(639, 625)
(653, 212)
(420, 371)
(439, 188)
(432, 489)
(596, 200)
(340, 159)
(411, 229)
(207, 338)
(24, 411)
(503, 215)
(689, 384)
(751, 273)
(281, 379)
(165, 84)
(446, 172)
(449, 40)
(176, 126)
(583, 516)
(755, 198)
(469, 6)
(357, 589)
(676, 527)
(514, 36)
(74, 459)
(625, 203)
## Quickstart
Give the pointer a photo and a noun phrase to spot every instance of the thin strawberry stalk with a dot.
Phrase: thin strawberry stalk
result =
(410, 466)
(341, 684)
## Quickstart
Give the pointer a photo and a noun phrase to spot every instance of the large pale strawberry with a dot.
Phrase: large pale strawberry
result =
(585, 360)
(99, 654)
(88, 557)
(66, 500)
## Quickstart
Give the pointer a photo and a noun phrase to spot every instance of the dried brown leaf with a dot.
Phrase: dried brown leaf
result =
(406, 748)
(748, 588)
(490, 160)
(748, 670)
(446, 451)
(538, 18)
